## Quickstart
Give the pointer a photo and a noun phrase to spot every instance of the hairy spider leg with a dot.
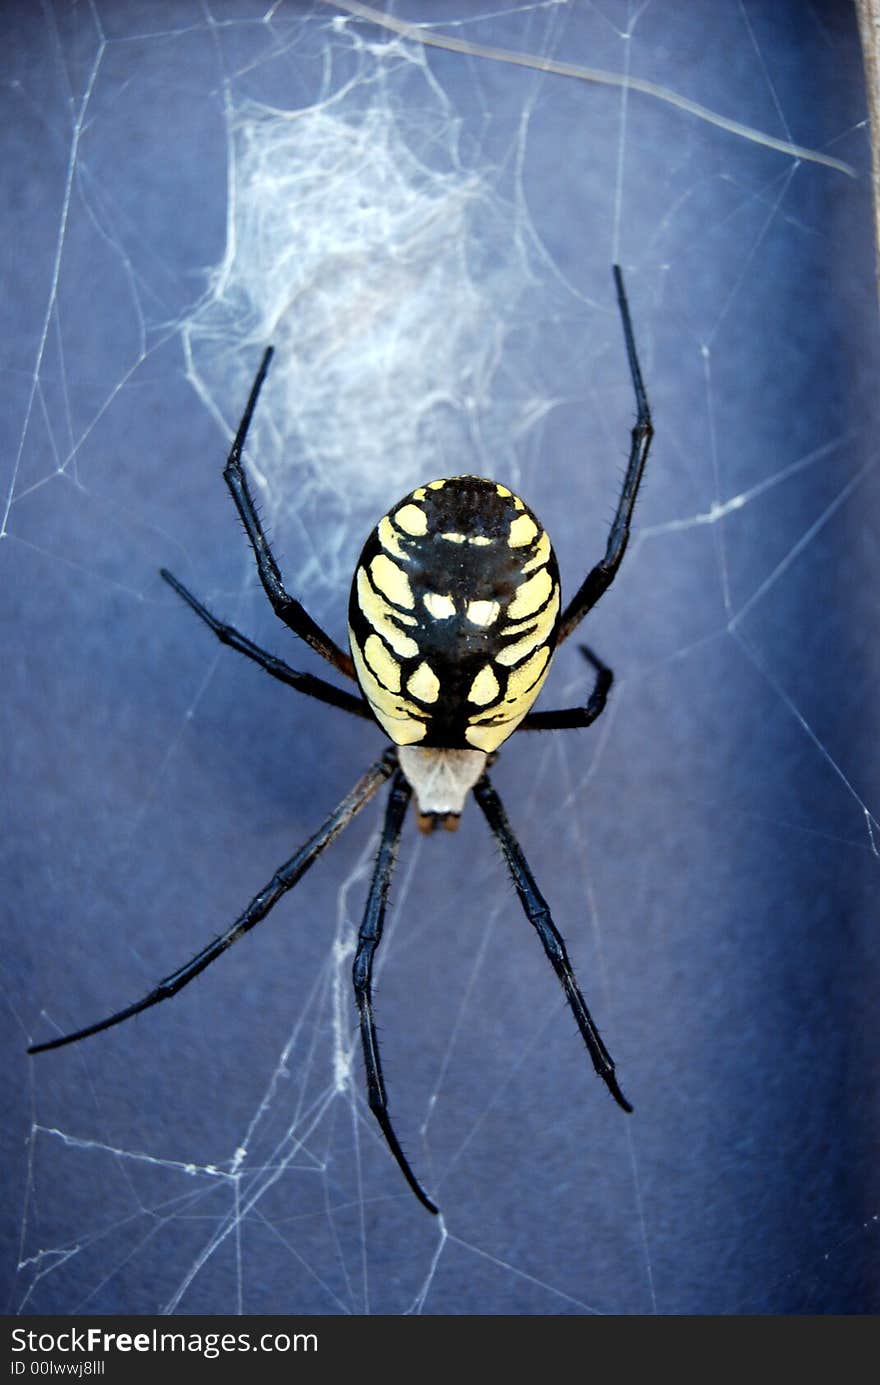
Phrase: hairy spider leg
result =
(284, 605)
(369, 937)
(537, 912)
(283, 880)
(303, 682)
(599, 579)
(571, 718)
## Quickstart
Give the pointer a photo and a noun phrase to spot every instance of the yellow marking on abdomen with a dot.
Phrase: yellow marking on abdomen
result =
(543, 624)
(522, 679)
(479, 540)
(482, 734)
(389, 540)
(482, 612)
(383, 618)
(385, 667)
(522, 531)
(392, 581)
(398, 717)
(542, 554)
(424, 683)
(440, 607)
(484, 687)
(412, 520)
(531, 595)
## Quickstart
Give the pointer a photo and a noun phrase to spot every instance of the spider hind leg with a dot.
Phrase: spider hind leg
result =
(369, 937)
(283, 880)
(537, 912)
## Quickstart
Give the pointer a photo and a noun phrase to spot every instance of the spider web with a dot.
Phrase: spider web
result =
(425, 233)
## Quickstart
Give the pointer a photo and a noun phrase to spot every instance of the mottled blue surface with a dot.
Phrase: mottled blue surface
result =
(710, 847)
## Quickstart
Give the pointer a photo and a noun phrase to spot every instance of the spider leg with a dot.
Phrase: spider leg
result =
(599, 579)
(284, 879)
(538, 914)
(284, 605)
(369, 938)
(567, 718)
(303, 682)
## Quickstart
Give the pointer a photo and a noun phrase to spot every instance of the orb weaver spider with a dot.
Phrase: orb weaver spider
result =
(454, 616)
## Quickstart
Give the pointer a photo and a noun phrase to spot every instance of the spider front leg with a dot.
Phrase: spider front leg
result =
(369, 937)
(599, 579)
(276, 668)
(286, 607)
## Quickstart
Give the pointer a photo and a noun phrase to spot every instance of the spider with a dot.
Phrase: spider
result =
(454, 617)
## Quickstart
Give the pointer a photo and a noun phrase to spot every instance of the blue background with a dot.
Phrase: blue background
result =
(430, 251)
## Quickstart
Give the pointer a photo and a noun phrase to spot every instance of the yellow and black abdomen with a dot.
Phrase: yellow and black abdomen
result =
(453, 615)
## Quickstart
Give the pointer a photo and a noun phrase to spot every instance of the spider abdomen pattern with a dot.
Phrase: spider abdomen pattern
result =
(453, 615)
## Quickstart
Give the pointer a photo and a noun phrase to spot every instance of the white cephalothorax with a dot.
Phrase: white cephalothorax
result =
(442, 780)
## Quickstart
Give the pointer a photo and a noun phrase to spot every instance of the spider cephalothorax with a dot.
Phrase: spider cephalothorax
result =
(454, 616)
(452, 621)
